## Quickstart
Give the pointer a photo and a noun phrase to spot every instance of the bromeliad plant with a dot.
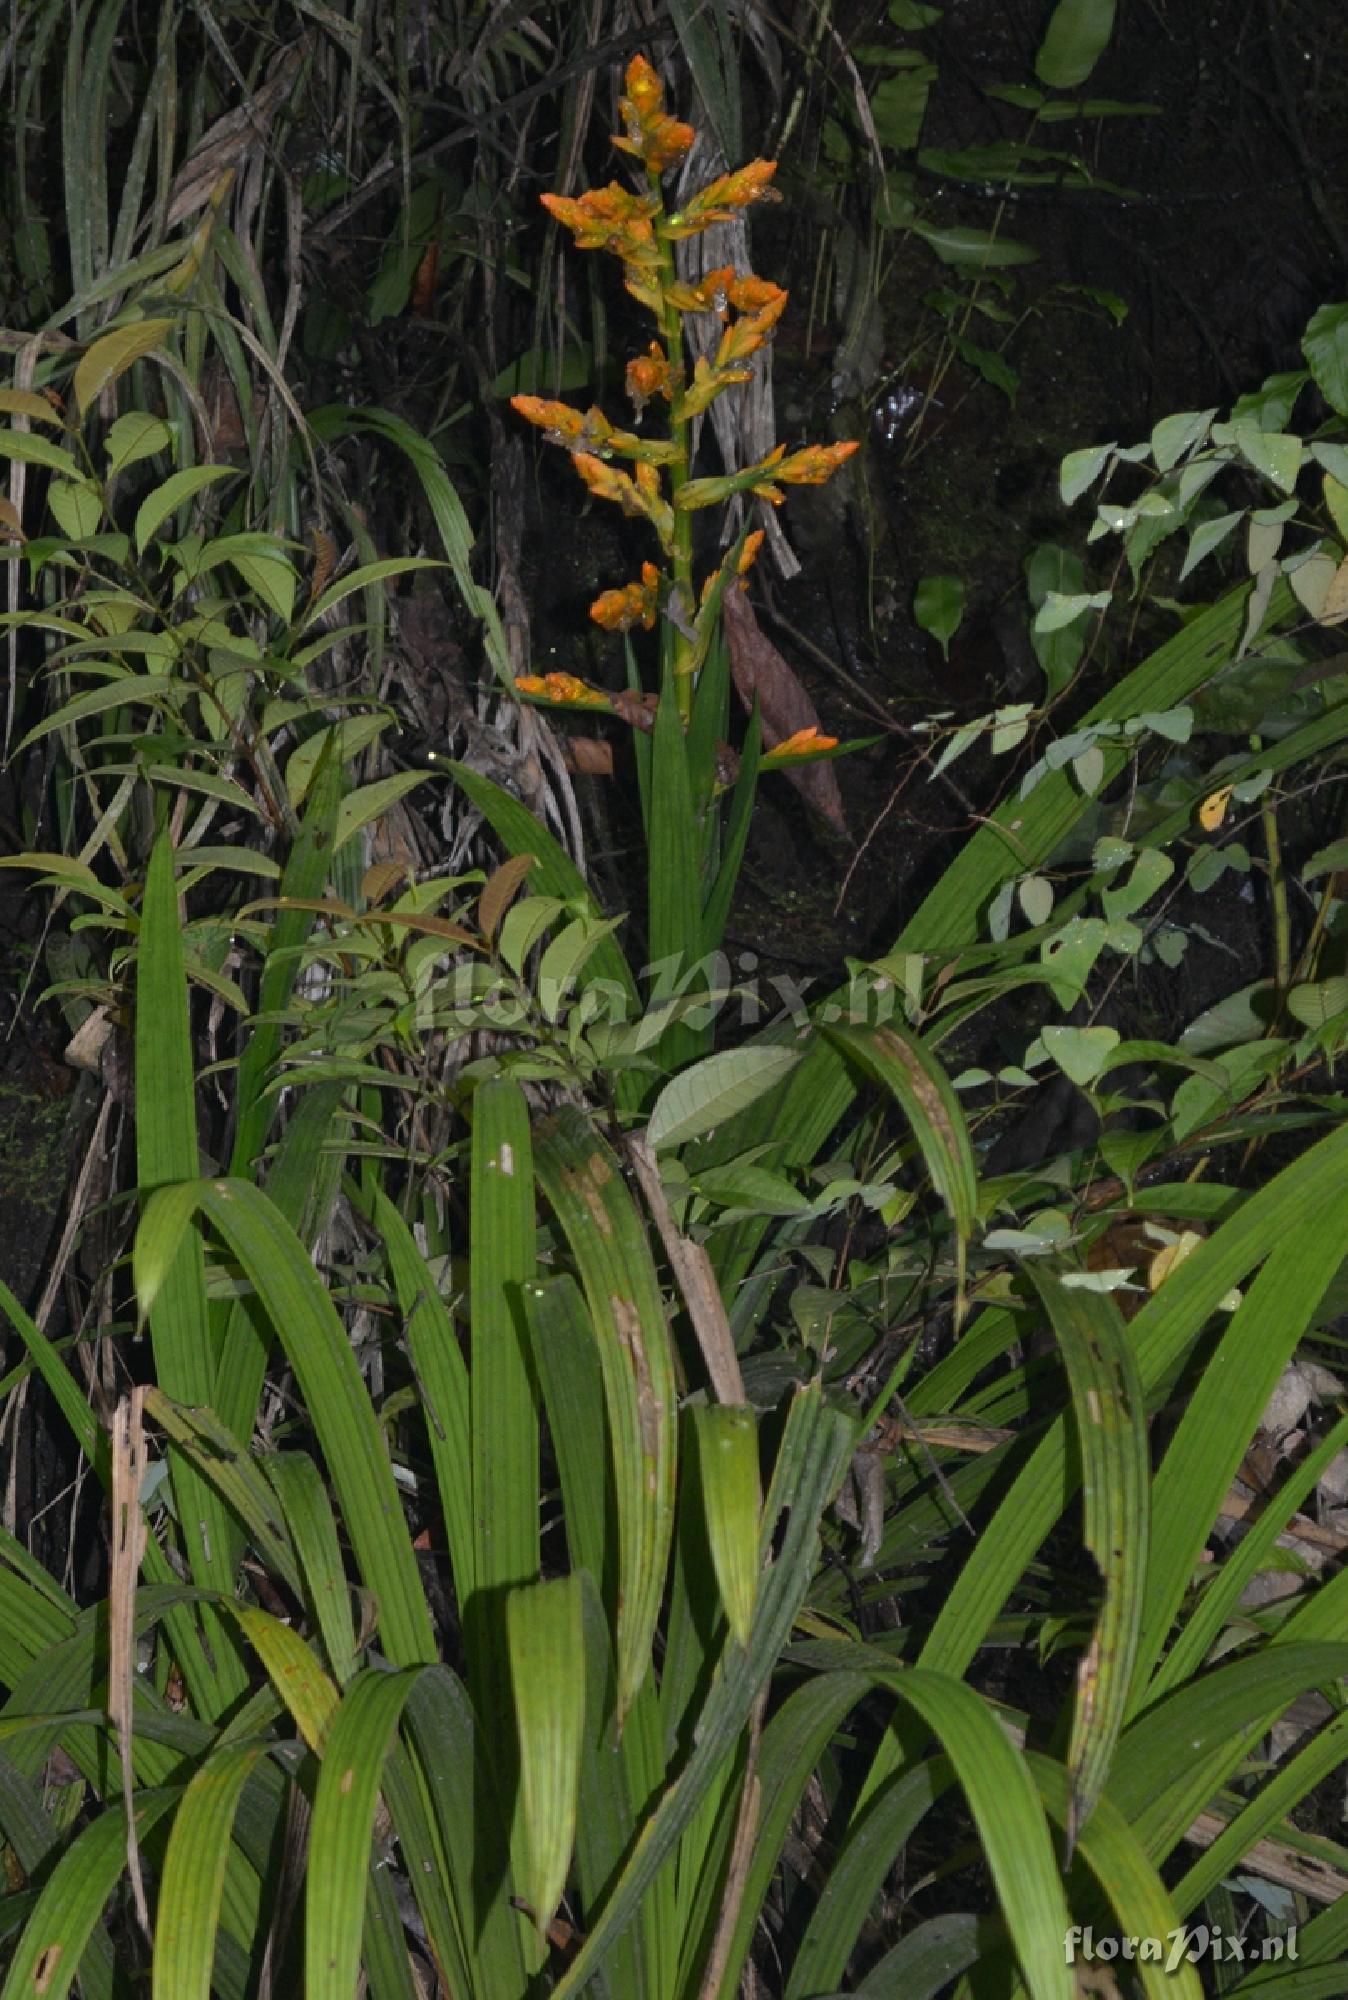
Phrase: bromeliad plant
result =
(684, 767)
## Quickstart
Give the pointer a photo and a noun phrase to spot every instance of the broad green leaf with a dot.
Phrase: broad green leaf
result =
(77, 506)
(1078, 34)
(347, 740)
(502, 1412)
(443, 1381)
(1036, 899)
(1080, 470)
(32, 449)
(812, 1457)
(166, 1151)
(1325, 346)
(1080, 1053)
(370, 802)
(1277, 454)
(899, 105)
(938, 606)
(1206, 537)
(360, 579)
(973, 248)
(1058, 611)
(1174, 437)
(71, 1900)
(156, 507)
(715, 1089)
(28, 403)
(135, 436)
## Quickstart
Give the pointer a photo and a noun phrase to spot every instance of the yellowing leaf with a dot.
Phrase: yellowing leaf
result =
(1335, 607)
(1213, 809)
(1170, 1256)
(111, 356)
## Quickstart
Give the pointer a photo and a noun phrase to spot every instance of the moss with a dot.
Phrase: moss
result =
(32, 1145)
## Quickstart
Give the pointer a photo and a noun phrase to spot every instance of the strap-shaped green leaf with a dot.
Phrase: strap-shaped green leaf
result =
(583, 1183)
(504, 1420)
(357, 1748)
(547, 1672)
(1111, 1426)
(166, 1151)
(442, 1382)
(293, 1297)
(193, 1884)
(71, 1900)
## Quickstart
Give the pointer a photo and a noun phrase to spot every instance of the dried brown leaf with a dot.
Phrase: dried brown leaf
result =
(761, 674)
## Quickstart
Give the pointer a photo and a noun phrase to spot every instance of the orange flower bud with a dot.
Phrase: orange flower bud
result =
(607, 218)
(749, 553)
(559, 420)
(647, 376)
(720, 200)
(815, 463)
(658, 141)
(803, 743)
(634, 604)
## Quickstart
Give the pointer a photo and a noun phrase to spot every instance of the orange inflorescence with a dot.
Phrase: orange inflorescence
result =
(802, 743)
(637, 229)
(634, 604)
(561, 687)
(657, 140)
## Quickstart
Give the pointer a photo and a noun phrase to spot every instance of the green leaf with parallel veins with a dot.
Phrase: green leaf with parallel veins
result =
(547, 1668)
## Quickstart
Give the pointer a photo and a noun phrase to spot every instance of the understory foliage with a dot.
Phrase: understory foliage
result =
(607, 1486)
